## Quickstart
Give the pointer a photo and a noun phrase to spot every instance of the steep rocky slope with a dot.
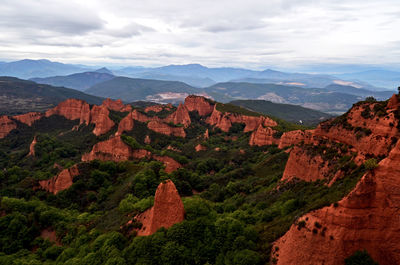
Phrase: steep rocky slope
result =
(167, 210)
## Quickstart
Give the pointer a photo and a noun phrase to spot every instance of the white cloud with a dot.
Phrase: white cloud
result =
(252, 33)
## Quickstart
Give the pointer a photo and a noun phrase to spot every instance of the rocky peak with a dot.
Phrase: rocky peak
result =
(116, 105)
(263, 136)
(29, 118)
(60, 182)
(6, 126)
(100, 117)
(167, 210)
(394, 102)
(32, 147)
(166, 129)
(72, 109)
(199, 104)
(180, 116)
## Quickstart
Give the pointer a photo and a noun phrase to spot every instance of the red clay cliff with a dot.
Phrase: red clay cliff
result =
(167, 210)
(367, 219)
(60, 182)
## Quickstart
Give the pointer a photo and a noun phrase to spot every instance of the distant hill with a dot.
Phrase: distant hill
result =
(134, 89)
(318, 99)
(288, 112)
(38, 68)
(380, 95)
(20, 96)
(380, 78)
(80, 81)
(190, 80)
(104, 70)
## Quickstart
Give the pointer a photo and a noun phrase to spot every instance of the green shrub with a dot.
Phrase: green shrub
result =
(371, 164)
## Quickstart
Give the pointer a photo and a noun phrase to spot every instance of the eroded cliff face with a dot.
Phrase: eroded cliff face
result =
(32, 147)
(100, 117)
(263, 136)
(72, 109)
(116, 105)
(6, 126)
(225, 120)
(367, 219)
(115, 149)
(126, 124)
(158, 108)
(180, 116)
(60, 182)
(166, 129)
(167, 210)
(200, 104)
(29, 118)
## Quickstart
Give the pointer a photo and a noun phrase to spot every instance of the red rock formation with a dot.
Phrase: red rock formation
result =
(166, 129)
(29, 118)
(158, 108)
(147, 139)
(6, 126)
(367, 219)
(114, 149)
(60, 182)
(136, 115)
(382, 130)
(200, 147)
(394, 102)
(116, 105)
(100, 117)
(225, 120)
(72, 109)
(50, 234)
(263, 136)
(126, 124)
(167, 210)
(295, 137)
(306, 167)
(32, 147)
(180, 116)
(206, 134)
(170, 164)
(199, 104)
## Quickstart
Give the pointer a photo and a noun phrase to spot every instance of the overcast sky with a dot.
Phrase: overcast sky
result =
(251, 33)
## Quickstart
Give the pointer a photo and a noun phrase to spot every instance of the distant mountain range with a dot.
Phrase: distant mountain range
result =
(134, 89)
(20, 96)
(26, 69)
(198, 75)
(80, 81)
(379, 78)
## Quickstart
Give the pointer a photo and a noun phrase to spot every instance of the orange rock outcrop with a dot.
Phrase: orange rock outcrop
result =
(126, 124)
(72, 109)
(32, 147)
(60, 182)
(166, 129)
(225, 120)
(100, 117)
(200, 104)
(6, 126)
(180, 116)
(167, 210)
(200, 147)
(263, 136)
(115, 149)
(29, 118)
(170, 164)
(367, 219)
(116, 105)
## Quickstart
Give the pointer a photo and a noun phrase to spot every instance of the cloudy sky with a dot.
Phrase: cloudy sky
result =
(251, 33)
